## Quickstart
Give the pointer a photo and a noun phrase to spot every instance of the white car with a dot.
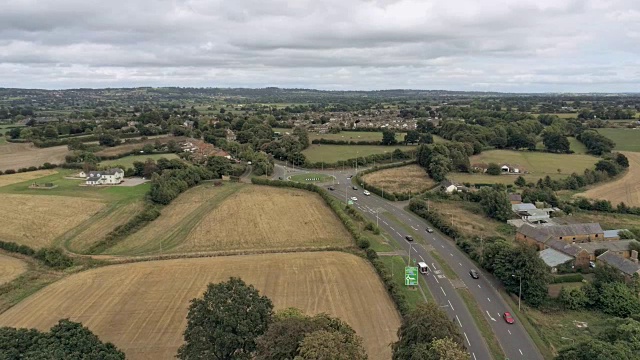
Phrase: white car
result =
(353, 198)
(366, 193)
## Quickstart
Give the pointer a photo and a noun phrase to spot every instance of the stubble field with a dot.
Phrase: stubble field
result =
(410, 178)
(142, 307)
(15, 156)
(26, 176)
(35, 220)
(237, 217)
(10, 268)
(625, 189)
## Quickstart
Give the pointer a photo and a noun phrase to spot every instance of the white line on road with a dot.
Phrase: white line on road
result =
(460, 264)
(465, 335)
(457, 318)
(436, 279)
(442, 246)
(434, 266)
(520, 352)
(392, 228)
(421, 258)
(398, 233)
(474, 356)
(451, 254)
(479, 286)
(509, 332)
(445, 294)
(490, 315)
(385, 222)
(489, 299)
(449, 301)
(499, 315)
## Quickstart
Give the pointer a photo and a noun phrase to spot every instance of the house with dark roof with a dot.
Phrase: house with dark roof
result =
(515, 199)
(572, 233)
(627, 267)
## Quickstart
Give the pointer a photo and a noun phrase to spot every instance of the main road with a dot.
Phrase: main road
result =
(398, 223)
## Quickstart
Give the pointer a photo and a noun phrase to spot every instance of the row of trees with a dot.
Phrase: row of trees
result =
(439, 159)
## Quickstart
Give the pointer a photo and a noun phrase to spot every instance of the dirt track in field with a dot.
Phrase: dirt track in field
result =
(10, 268)
(16, 156)
(142, 307)
(626, 189)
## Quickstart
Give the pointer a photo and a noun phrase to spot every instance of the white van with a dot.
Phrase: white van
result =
(423, 268)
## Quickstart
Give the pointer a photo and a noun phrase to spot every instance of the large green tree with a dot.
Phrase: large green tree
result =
(495, 203)
(330, 345)
(225, 322)
(388, 137)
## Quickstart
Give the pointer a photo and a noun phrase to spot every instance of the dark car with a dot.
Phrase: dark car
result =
(349, 177)
(331, 188)
(474, 274)
(279, 177)
(409, 238)
(429, 230)
(508, 318)
(355, 188)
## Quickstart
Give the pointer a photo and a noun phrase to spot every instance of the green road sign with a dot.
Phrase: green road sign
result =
(411, 276)
(349, 202)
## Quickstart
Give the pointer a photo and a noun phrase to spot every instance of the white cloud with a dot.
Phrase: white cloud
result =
(511, 45)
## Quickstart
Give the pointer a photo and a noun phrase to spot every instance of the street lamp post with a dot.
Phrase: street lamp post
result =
(520, 290)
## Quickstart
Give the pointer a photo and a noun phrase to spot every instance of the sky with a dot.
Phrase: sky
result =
(477, 45)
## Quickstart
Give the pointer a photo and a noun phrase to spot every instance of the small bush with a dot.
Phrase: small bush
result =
(363, 243)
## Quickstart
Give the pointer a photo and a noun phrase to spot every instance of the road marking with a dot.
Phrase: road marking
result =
(474, 356)
(398, 233)
(385, 222)
(434, 266)
(489, 299)
(509, 332)
(436, 279)
(445, 294)
(442, 246)
(465, 335)
(499, 314)
(451, 254)
(492, 319)
(479, 286)
(421, 258)
(392, 228)
(460, 264)
(520, 352)
(457, 318)
(449, 301)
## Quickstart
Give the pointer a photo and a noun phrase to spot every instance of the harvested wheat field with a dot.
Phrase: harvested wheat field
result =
(237, 217)
(26, 176)
(626, 189)
(97, 227)
(405, 179)
(36, 221)
(10, 268)
(128, 147)
(142, 307)
(16, 156)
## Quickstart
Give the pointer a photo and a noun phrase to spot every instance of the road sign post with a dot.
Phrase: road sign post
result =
(411, 276)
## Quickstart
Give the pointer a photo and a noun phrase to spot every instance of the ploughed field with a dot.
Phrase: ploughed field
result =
(405, 179)
(142, 307)
(238, 218)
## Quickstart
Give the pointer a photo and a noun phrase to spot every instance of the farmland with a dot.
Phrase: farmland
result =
(16, 156)
(625, 139)
(36, 221)
(625, 189)
(127, 161)
(333, 153)
(26, 176)
(239, 217)
(142, 307)
(410, 178)
(126, 148)
(355, 136)
(10, 268)
(468, 217)
(537, 164)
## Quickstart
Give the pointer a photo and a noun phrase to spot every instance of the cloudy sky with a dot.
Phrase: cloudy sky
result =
(497, 45)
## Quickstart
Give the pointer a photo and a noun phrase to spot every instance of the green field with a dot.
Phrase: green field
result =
(311, 178)
(355, 136)
(625, 139)
(333, 153)
(127, 161)
(537, 164)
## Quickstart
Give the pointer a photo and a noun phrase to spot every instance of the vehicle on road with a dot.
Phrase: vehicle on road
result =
(508, 318)
(279, 177)
(474, 274)
(349, 177)
(331, 188)
(353, 198)
(367, 193)
(429, 230)
(355, 188)
(409, 238)
(423, 267)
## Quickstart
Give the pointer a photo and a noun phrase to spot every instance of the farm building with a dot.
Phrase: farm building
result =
(105, 177)
(627, 267)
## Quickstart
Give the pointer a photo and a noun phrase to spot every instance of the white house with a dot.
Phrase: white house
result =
(105, 177)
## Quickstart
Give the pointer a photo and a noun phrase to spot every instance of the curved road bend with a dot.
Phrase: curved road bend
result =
(513, 339)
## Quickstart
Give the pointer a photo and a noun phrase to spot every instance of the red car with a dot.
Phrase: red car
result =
(508, 318)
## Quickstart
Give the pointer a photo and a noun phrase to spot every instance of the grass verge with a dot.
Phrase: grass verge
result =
(395, 265)
(483, 324)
